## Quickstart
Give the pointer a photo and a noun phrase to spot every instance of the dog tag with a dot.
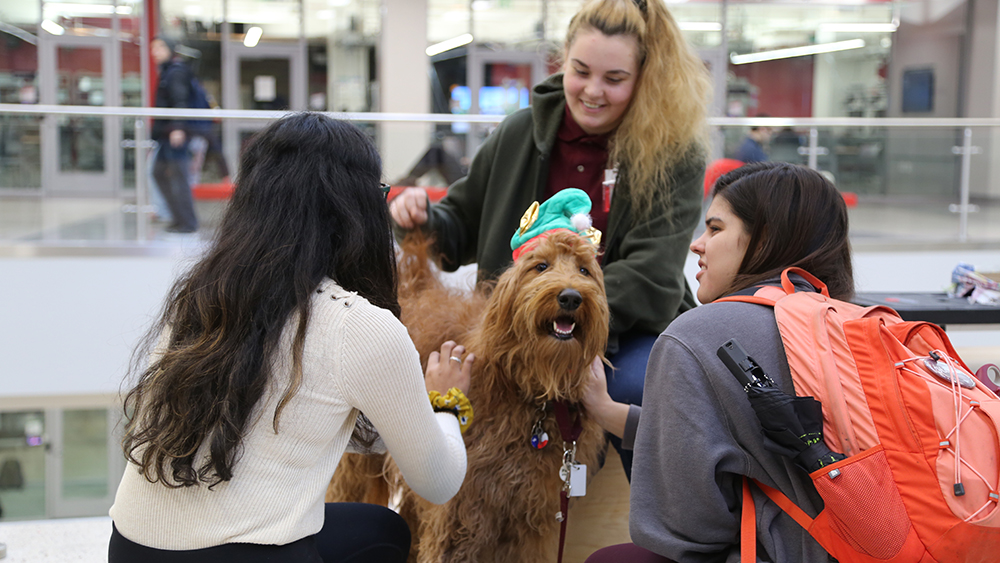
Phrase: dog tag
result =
(539, 441)
(564, 473)
(577, 480)
(539, 437)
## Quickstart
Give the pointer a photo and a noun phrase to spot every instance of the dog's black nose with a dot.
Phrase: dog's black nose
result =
(570, 299)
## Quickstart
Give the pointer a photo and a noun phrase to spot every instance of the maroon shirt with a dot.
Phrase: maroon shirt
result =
(578, 160)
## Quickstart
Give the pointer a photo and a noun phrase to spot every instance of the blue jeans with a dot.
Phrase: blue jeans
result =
(171, 172)
(625, 381)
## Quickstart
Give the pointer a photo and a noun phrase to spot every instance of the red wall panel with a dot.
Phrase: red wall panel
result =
(784, 86)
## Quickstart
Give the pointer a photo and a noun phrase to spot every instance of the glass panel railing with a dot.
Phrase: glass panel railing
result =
(20, 152)
(906, 181)
(903, 182)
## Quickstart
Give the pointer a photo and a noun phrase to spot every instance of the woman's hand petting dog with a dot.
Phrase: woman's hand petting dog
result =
(446, 369)
(409, 208)
(600, 406)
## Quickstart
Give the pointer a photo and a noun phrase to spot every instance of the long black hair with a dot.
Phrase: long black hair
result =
(794, 217)
(306, 205)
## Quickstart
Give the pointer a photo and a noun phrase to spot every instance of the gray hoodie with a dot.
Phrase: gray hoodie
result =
(698, 437)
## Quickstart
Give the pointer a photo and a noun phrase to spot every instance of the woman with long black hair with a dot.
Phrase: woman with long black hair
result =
(264, 356)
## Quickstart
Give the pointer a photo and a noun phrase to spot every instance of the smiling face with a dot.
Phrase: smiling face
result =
(720, 250)
(549, 312)
(600, 76)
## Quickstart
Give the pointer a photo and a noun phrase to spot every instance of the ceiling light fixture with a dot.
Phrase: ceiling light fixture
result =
(859, 27)
(252, 36)
(700, 26)
(449, 44)
(52, 27)
(86, 9)
(796, 51)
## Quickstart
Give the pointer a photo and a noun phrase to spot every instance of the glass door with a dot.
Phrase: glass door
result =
(79, 153)
(262, 77)
(22, 465)
(85, 461)
(500, 83)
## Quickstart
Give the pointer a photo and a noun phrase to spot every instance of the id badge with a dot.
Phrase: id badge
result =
(577, 480)
(608, 187)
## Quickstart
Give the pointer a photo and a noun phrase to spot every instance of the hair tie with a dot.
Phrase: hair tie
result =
(454, 402)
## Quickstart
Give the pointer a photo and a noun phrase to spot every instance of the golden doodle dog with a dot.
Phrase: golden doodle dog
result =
(534, 334)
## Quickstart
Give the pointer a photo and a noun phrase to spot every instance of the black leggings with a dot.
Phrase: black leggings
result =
(352, 533)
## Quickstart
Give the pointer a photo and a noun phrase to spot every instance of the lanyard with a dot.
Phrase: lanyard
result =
(570, 431)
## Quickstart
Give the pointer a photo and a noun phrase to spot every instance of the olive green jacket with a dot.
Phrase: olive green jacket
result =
(643, 261)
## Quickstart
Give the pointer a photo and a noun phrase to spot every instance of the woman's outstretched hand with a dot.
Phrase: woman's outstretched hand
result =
(447, 369)
(409, 208)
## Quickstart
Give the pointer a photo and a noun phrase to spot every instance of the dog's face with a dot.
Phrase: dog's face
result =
(551, 308)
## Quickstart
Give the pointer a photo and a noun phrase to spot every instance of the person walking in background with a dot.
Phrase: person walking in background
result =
(173, 90)
(624, 121)
(753, 145)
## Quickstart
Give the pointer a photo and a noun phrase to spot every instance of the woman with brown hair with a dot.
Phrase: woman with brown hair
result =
(698, 435)
(265, 355)
(624, 121)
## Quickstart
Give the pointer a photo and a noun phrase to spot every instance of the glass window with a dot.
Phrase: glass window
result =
(342, 37)
(20, 151)
(85, 454)
(256, 21)
(700, 22)
(808, 60)
(83, 17)
(511, 22)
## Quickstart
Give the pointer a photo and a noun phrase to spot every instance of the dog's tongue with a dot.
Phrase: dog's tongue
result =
(564, 326)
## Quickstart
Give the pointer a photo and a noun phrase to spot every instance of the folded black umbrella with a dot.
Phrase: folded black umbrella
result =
(792, 426)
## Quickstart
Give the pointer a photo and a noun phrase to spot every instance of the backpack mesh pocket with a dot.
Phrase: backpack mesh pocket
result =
(864, 506)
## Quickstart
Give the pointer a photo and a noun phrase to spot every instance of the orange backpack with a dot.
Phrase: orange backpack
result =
(920, 482)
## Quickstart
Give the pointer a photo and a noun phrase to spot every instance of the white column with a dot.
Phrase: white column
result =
(991, 186)
(404, 83)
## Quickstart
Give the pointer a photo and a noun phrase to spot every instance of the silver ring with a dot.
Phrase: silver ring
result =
(455, 359)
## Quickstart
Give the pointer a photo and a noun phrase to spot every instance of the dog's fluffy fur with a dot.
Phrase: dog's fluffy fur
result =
(506, 508)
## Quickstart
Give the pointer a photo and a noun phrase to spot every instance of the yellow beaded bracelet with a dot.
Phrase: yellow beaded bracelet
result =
(455, 402)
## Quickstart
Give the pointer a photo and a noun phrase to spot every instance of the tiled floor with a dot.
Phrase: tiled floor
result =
(68, 540)
(99, 220)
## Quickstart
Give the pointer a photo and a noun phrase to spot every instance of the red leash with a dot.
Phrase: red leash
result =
(570, 432)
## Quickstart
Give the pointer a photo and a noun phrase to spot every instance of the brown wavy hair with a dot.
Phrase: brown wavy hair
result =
(673, 85)
(794, 217)
(307, 205)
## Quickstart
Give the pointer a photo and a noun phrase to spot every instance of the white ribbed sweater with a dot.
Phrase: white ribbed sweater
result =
(356, 357)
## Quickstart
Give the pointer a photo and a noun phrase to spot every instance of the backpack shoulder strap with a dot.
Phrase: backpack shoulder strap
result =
(769, 295)
(748, 523)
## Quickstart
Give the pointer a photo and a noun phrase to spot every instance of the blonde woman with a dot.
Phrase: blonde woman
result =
(624, 121)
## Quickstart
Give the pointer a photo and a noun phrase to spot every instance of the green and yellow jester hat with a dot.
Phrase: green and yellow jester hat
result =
(568, 210)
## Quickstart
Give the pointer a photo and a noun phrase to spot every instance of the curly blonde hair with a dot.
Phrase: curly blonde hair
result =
(673, 85)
